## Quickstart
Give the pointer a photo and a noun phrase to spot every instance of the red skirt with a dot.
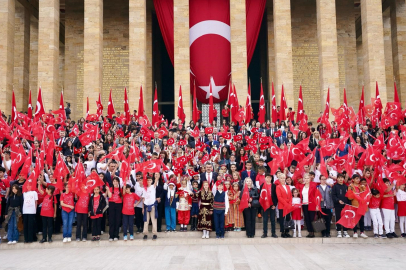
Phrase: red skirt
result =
(297, 214)
(401, 208)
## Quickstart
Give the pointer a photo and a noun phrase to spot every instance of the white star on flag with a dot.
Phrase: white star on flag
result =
(214, 88)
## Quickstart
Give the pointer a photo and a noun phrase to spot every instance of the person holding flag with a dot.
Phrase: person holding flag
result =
(284, 202)
(268, 200)
(249, 203)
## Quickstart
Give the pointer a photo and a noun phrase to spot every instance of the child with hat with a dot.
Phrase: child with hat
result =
(220, 209)
(170, 206)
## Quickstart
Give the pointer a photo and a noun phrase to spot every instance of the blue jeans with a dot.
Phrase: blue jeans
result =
(219, 222)
(67, 219)
(170, 218)
(128, 223)
(12, 233)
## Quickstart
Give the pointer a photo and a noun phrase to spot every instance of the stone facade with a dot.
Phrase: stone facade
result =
(313, 43)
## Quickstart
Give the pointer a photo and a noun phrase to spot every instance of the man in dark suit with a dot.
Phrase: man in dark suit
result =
(247, 173)
(202, 137)
(244, 132)
(208, 176)
(156, 140)
(281, 140)
(271, 211)
(63, 140)
(111, 172)
(271, 131)
(211, 143)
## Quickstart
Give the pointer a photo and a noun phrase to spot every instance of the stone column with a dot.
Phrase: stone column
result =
(33, 58)
(48, 53)
(182, 55)
(398, 26)
(239, 68)
(373, 48)
(283, 51)
(140, 50)
(93, 53)
(328, 58)
(21, 56)
(7, 9)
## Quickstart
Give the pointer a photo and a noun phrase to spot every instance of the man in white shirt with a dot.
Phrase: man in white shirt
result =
(29, 213)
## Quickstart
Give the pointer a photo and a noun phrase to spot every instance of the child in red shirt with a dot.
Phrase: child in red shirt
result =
(67, 213)
(97, 206)
(375, 212)
(48, 213)
(82, 212)
(388, 209)
(129, 204)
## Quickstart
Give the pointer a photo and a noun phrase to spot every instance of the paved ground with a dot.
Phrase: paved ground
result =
(242, 256)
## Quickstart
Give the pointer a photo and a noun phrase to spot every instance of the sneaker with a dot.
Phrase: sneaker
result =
(50, 241)
(167, 230)
(264, 236)
(43, 241)
(98, 238)
(84, 240)
(173, 230)
(274, 236)
(115, 239)
(102, 232)
(346, 235)
(94, 238)
(125, 238)
(376, 235)
(217, 237)
(355, 235)
(69, 239)
(403, 235)
(145, 237)
(65, 240)
(363, 235)
(131, 237)
(5, 236)
(382, 236)
(9, 242)
(77, 239)
(299, 235)
(394, 235)
(389, 235)
(339, 235)
(14, 242)
(110, 239)
(154, 237)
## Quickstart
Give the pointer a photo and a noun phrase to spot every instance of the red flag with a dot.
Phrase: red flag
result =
(392, 115)
(274, 113)
(133, 153)
(116, 154)
(262, 111)
(110, 107)
(361, 110)
(265, 198)
(13, 110)
(87, 137)
(99, 106)
(196, 112)
(61, 170)
(181, 112)
(248, 108)
(324, 118)
(39, 109)
(125, 171)
(74, 182)
(106, 126)
(88, 184)
(18, 158)
(303, 123)
(27, 165)
(62, 106)
(150, 166)
(300, 111)
(87, 109)
(141, 104)
(284, 106)
(211, 106)
(31, 182)
(50, 152)
(376, 115)
(126, 108)
(29, 110)
(244, 199)
(395, 96)
(349, 217)
(155, 110)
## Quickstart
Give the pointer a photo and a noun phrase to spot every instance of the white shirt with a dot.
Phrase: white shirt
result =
(295, 200)
(138, 190)
(90, 164)
(317, 175)
(227, 204)
(99, 169)
(149, 195)
(29, 202)
(8, 163)
(305, 195)
(400, 195)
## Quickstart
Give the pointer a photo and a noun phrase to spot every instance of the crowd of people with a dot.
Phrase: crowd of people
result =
(222, 177)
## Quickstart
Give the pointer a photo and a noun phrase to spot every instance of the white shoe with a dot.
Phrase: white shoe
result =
(39, 233)
(9, 242)
(339, 235)
(14, 242)
(294, 235)
(207, 235)
(299, 235)
(363, 235)
(69, 239)
(102, 232)
(65, 240)
(204, 235)
(346, 235)
(5, 237)
(115, 239)
(355, 235)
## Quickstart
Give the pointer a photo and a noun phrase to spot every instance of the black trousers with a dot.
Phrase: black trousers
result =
(338, 210)
(3, 209)
(250, 215)
(115, 217)
(282, 221)
(327, 219)
(47, 227)
(58, 219)
(308, 217)
(361, 225)
(29, 228)
(38, 220)
(271, 214)
(139, 218)
(81, 221)
(96, 229)
(161, 214)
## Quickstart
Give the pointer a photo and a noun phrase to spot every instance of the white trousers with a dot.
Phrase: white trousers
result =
(389, 220)
(298, 227)
(402, 224)
(377, 220)
(367, 218)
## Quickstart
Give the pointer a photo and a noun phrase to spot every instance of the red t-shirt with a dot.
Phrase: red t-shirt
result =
(115, 196)
(374, 203)
(47, 209)
(128, 203)
(67, 199)
(4, 184)
(40, 196)
(260, 179)
(56, 191)
(388, 202)
(95, 206)
(82, 205)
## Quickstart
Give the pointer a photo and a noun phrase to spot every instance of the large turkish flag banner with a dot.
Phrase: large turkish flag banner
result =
(210, 49)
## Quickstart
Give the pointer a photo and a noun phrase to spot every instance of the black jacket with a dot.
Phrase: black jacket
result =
(253, 192)
(100, 209)
(338, 192)
(273, 195)
(15, 201)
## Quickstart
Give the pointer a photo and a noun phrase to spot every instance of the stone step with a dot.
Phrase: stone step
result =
(173, 241)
